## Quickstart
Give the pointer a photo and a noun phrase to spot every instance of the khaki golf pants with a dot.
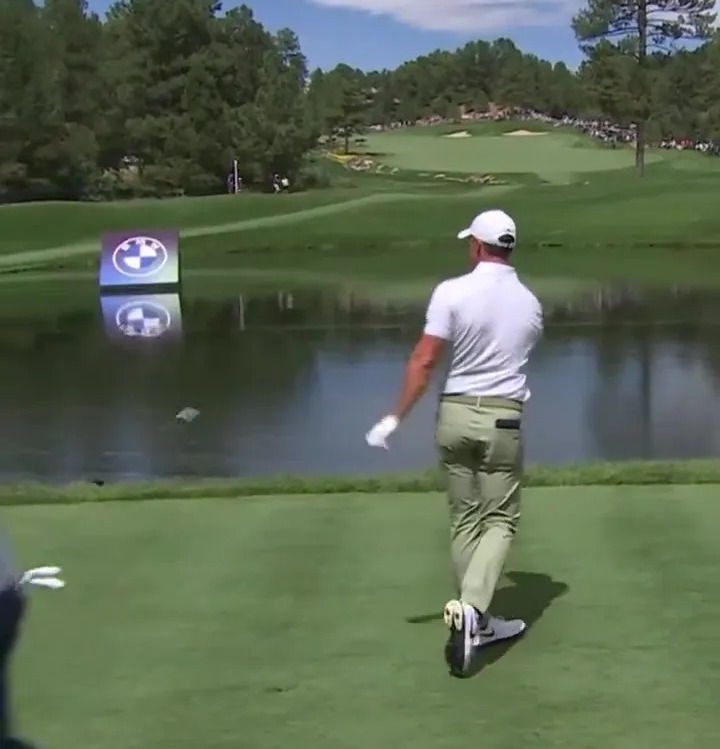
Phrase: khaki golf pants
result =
(480, 444)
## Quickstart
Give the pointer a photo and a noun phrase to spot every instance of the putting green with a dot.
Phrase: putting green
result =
(552, 156)
(312, 621)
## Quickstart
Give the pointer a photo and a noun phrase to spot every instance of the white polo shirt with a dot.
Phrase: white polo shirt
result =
(493, 322)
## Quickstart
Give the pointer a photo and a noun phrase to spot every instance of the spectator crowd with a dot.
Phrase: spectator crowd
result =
(604, 130)
(614, 134)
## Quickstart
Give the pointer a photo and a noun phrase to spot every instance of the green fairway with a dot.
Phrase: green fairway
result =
(312, 622)
(395, 239)
(554, 156)
(39, 226)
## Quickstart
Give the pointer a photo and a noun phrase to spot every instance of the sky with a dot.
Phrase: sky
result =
(376, 34)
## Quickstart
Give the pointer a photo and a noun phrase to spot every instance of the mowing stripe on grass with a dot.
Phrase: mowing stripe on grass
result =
(31, 257)
(84, 248)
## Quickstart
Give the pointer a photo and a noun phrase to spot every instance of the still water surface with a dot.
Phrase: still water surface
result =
(289, 383)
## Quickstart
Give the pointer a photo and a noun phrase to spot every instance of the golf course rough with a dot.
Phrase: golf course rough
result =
(639, 473)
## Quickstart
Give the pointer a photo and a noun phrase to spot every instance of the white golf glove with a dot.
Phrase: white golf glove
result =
(45, 577)
(378, 435)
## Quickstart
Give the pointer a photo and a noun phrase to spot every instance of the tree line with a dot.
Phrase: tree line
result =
(157, 99)
(161, 96)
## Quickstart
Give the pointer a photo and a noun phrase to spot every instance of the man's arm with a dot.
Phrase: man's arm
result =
(539, 322)
(428, 351)
(418, 371)
(426, 354)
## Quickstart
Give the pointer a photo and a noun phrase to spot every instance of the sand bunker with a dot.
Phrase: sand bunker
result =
(461, 134)
(523, 133)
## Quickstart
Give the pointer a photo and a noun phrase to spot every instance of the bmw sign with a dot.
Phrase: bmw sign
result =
(139, 257)
(144, 257)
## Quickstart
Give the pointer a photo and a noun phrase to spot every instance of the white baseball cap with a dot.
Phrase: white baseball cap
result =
(494, 227)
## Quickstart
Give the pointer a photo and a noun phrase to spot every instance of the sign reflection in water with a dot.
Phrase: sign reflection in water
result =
(290, 382)
(142, 316)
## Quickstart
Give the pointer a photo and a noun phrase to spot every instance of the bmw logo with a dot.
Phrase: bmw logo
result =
(140, 257)
(142, 318)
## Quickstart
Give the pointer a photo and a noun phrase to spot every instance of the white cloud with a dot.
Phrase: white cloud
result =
(465, 16)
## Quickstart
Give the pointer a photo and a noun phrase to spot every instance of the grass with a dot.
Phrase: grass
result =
(602, 231)
(313, 622)
(625, 473)
(393, 236)
(299, 613)
(51, 224)
(663, 230)
(555, 156)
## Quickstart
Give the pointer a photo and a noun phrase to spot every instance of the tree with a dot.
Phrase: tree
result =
(607, 76)
(161, 96)
(288, 131)
(515, 83)
(640, 27)
(30, 103)
(75, 41)
(705, 88)
(169, 97)
(247, 63)
(346, 104)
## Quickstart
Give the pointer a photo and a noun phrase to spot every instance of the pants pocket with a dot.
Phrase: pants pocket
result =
(505, 445)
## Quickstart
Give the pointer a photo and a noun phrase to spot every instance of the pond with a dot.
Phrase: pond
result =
(290, 382)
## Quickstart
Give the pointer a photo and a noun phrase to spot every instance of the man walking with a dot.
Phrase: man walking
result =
(490, 322)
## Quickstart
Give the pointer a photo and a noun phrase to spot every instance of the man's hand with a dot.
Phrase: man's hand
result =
(423, 359)
(378, 435)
